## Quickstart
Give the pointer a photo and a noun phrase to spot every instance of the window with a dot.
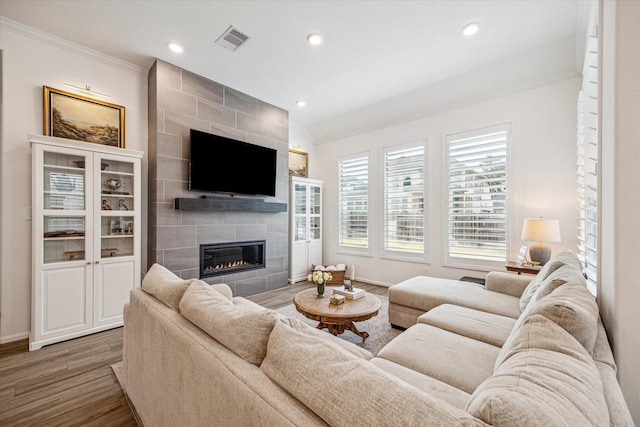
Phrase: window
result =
(353, 202)
(587, 166)
(404, 171)
(477, 196)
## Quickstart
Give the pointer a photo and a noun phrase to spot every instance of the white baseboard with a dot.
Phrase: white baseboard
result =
(373, 282)
(12, 338)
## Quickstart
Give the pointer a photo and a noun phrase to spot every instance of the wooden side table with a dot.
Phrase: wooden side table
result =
(527, 269)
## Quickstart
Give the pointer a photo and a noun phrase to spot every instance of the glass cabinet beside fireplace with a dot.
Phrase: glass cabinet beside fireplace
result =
(86, 216)
(305, 246)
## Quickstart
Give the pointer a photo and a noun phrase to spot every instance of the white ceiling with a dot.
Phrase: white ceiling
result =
(409, 54)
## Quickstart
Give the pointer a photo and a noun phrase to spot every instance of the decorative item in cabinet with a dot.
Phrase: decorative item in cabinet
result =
(105, 252)
(113, 184)
(120, 226)
(80, 164)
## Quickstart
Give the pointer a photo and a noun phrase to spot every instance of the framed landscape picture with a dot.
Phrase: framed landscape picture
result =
(298, 163)
(72, 116)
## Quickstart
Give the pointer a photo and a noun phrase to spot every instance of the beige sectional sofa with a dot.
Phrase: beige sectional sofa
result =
(194, 356)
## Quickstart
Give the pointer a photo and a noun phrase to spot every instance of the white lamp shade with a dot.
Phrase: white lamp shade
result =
(541, 230)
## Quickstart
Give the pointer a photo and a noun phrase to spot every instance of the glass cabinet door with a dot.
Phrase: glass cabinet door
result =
(314, 200)
(315, 203)
(300, 212)
(116, 207)
(64, 202)
(64, 181)
(116, 185)
(300, 204)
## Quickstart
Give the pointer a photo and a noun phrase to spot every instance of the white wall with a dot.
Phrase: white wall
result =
(300, 139)
(543, 154)
(620, 203)
(30, 60)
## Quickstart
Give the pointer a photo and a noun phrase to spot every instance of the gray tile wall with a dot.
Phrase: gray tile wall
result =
(178, 101)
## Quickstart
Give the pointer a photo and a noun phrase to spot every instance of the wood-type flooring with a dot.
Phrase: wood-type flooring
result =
(72, 383)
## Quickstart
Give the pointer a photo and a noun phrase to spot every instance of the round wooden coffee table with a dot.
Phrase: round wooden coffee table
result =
(337, 318)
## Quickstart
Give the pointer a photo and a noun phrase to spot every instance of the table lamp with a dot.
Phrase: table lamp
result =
(540, 230)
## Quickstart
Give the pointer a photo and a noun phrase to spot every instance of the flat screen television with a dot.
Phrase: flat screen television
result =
(224, 165)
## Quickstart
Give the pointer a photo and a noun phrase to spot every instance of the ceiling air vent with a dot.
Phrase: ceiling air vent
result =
(232, 39)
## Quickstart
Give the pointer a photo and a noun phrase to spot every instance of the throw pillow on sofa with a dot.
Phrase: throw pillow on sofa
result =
(546, 379)
(551, 266)
(564, 258)
(564, 274)
(165, 286)
(573, 308)
(243, 331)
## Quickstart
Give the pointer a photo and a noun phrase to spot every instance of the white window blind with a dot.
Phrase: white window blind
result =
(477, 196)
(404, 171)
(353, 202)
(587, 165)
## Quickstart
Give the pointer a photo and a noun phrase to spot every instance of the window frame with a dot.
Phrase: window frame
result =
(367, 251)
(469, 263)
(401, 255)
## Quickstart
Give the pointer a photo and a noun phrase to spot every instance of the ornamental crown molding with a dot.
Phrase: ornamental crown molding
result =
(67, 45)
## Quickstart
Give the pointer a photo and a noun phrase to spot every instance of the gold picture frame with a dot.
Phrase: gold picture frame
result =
(72, 116)
(298, 163)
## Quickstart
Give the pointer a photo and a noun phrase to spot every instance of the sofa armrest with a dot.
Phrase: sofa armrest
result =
(507, 283)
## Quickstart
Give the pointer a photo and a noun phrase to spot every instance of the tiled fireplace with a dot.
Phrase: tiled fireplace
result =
(179, 101)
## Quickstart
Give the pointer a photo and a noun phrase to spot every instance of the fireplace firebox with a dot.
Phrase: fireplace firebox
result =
(232, 257)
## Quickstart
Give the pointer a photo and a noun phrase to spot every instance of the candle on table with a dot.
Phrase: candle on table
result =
(353, 273)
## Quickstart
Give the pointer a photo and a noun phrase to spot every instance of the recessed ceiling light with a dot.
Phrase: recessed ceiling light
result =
(301, 103)
(471, 29)
(314, 39)
(175, 47)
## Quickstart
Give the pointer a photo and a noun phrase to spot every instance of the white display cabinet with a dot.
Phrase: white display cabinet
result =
(86, 237)
(305, 246)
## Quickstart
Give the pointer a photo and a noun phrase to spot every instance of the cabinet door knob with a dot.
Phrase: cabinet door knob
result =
(88, 262)
(97, 262)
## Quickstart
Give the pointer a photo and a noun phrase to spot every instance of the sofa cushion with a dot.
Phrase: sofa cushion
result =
(453, 359)
(300, 326)
(479, 325)
(564, 258)
(425, 293)
(243, 331)
(546, 379)
(328, 379)
(165, 286)
(557, 309)
(450, 394)
(572, 307)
